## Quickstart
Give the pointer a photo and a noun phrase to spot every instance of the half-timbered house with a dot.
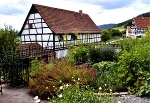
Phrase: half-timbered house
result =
(53, 28)
(139, 26)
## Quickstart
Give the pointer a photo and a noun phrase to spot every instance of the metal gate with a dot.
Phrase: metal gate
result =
(14, 70)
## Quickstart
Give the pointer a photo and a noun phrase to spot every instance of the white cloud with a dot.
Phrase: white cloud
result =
(94, 8)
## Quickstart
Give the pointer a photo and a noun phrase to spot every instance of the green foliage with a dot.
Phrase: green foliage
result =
(8, 39)
(12, 69)
(115, 32)
(8, 44)
(134, 66)
(101, 53)
(45, 80)
(108, 79)
(80, 94)
(105, 36)
(78, 54)
(128, 23)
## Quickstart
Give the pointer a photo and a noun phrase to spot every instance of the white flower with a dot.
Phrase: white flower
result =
(60, 95)
(78, 78)
(60, 81)
(110, 90)
(118, 102)
(36, 97)
(100, 88)
(67, 85)
(61, 87)
(105, 84)
(38, 101)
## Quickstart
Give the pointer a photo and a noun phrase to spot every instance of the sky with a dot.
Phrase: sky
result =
(14, 12)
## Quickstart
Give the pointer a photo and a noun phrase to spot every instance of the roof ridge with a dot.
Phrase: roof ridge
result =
(60, 9)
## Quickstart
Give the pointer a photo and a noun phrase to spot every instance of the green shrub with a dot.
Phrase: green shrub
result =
(44, 81)
(78, 54)
(79, 94)
(105, 36)
(8, 39)
(102, 53)
(108, 76)
(133, 67)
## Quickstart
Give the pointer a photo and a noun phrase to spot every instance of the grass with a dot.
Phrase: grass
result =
(119, 28)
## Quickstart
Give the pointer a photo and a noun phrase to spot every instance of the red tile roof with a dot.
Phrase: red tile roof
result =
(64, 21)
(142, 22)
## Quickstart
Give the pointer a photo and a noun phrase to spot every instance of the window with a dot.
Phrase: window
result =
(73, 37)
(60, 38)
(30, 26)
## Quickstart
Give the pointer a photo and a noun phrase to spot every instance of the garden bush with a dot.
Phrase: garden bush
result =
(46, 79)
(78, 54)
(134, 66)
(108, 76)
(102, 53)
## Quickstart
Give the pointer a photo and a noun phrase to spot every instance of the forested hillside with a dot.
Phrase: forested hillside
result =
(124, 23)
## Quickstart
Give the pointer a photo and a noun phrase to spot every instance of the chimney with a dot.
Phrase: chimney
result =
(80, 11)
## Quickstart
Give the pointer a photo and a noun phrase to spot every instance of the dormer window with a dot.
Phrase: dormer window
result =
(30, 26)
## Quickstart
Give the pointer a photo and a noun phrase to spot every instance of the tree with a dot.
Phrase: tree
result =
(8, 39)
(114, 32)
(105, 35)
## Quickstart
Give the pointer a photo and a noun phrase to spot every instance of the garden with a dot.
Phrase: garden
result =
(92, 73)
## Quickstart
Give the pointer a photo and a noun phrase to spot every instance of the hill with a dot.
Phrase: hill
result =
(128, 22)
(122, 24)
(106, 26)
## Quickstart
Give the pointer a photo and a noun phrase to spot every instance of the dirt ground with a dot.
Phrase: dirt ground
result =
(17, 95)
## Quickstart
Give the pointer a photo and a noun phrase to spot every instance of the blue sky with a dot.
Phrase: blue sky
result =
(14, 12)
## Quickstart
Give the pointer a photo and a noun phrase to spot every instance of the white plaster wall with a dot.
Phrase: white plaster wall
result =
(31, 16)
(44, 25)
(37, 15)
(37, 20)
(36, 29)
(46, 30)
(31, 21)
(37, 25)
(61, 53)
(25, 32)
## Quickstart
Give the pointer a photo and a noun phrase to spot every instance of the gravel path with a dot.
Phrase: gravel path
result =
(17, 95)
(21, 95)
(132, 99)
